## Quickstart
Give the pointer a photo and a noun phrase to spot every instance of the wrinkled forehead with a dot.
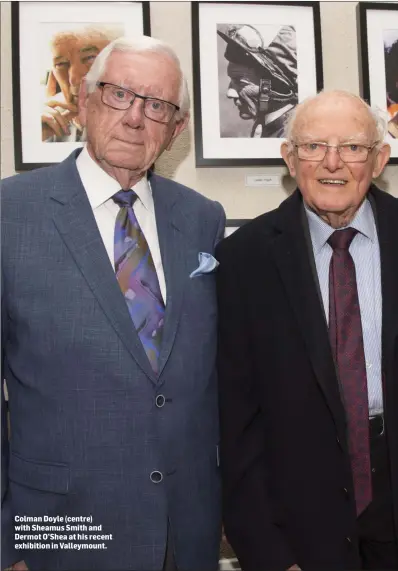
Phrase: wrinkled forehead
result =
(342, 118)
(69, 40)
(134, 68)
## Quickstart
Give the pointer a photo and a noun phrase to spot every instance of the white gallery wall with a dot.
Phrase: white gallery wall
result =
(171, 21)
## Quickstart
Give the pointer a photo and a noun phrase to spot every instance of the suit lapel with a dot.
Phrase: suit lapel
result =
(74, 219)
(173, 236)
(292, 257)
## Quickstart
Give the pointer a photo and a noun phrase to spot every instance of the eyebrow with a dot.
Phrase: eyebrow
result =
(90, 49)
(354, 138)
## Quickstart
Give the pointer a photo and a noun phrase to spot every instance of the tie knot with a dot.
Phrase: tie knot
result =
(125, 197)
(341, 239)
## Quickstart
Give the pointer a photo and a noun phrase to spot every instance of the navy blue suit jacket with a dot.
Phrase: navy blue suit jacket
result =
(86, 432)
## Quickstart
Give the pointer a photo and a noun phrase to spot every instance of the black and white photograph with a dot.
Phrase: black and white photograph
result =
(378, 24)
(253, 63)
(257, 79)
(55, 45)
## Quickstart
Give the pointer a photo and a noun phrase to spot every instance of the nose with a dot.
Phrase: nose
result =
(332, 160)
(134, 115)
(77, 71)
(232, 93)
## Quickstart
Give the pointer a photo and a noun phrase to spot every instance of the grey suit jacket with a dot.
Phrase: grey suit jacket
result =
(87, 431)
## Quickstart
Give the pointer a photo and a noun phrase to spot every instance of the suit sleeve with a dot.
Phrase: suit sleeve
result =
(247, 514)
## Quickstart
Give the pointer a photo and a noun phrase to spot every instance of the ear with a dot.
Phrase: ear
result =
(288, 157)
(83, 97)
(178, 129)
(381, 160)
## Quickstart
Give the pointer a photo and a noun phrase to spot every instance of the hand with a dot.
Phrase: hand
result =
(52, 85)
(55, 122)
(20, 566)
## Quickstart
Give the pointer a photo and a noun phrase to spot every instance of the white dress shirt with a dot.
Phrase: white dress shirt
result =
(365, 252)
(100, 187)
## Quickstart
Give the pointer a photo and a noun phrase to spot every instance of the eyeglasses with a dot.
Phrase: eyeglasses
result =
(121, 99)
(349, 152)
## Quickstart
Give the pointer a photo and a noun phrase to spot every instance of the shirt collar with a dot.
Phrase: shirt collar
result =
(100, 186)
(320, 231)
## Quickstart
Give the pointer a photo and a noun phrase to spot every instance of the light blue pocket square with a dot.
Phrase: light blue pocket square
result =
(207, 264)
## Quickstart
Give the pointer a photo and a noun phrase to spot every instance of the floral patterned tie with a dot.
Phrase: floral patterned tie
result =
(345, 331)
(136, 274)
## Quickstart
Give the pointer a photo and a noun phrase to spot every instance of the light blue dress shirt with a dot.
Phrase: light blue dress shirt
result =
(365, 252)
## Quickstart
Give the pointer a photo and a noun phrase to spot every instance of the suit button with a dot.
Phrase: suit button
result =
(159, 401)
(345, 492)
(348, 540)
(156, 477)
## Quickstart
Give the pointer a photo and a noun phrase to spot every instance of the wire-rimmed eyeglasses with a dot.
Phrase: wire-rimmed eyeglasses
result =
(348, 152)
(121, 99)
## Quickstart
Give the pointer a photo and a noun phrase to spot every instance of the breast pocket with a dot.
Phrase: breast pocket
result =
(204, 281)
(202, 294)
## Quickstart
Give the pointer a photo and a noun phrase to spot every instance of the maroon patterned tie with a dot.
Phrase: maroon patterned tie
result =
(345, 332)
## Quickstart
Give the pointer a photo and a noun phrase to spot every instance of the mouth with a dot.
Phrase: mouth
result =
(129, 142)
(332, 181)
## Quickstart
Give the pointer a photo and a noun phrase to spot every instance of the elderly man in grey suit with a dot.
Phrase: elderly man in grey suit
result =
(109, 317)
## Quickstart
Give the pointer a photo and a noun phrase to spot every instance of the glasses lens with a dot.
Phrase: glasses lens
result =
(116, 97)
(311, 151)
(159, 110)
(353, 153)
(350, 153)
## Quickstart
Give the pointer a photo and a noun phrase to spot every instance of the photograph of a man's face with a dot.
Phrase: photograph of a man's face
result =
(67, 53)
(390, 38)
(257, 71)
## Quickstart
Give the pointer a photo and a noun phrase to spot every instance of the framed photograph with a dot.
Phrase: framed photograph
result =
(253, 62)
(378, 23)
(54, 46)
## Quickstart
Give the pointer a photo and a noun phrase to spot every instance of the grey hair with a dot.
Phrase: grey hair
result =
(376, 115)
(139, 44)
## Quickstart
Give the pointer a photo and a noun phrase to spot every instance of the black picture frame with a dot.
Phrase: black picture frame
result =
(378, 53)
(233, 224)
(216, 146)
(29, 150)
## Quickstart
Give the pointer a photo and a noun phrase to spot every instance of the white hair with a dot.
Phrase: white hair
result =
(375, 114)
(139, 44)
(107, 32)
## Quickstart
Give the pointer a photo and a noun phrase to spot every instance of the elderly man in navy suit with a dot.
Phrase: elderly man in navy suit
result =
(109, 338)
